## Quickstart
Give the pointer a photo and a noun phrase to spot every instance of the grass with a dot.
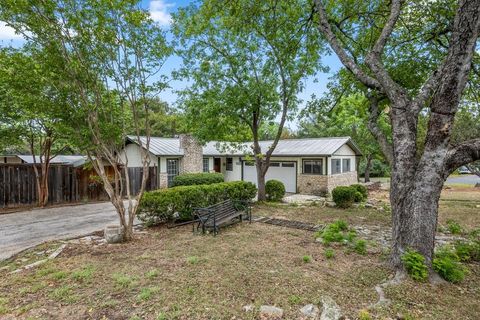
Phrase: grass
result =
(173, 274)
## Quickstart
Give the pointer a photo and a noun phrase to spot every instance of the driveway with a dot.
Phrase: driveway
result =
(22, 230)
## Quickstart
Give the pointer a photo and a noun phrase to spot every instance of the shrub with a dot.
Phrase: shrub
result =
(362, 190)
(160, 206)
(454, 227)
(344, 197)
(468, 251)
(415, 265)
(275, 190)
(447, 264)
(190, 179)
(336, 232)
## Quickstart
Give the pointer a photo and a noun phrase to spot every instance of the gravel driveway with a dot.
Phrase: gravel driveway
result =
(22, 230)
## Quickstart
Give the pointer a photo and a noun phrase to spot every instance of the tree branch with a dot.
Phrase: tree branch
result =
(462, 154)
(325, 28)
(385, 145)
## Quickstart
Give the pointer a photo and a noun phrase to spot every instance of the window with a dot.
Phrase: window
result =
(249, 163)
(274, 164)
(229, 166)
(288, 165)
(346, 165)
(206, 165)
(313, 166)
(172, 170)
(336, 166)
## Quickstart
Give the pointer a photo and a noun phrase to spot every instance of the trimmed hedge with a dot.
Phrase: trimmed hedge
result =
(162, 205)
(190, 179)
(362, 190)
(344, 196)
(275, 190)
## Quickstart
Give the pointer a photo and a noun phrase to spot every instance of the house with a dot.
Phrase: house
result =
(308, 166)
(75, 160)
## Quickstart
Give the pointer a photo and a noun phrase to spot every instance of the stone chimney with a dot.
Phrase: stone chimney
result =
(192, 161)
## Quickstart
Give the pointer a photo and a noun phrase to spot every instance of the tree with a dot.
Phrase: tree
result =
(32, 110)
(164, 120)
(444, 42)
(107, 54)
(246, 61)
(346, 115)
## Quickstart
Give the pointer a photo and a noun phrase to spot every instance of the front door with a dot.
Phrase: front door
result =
(172, 170)
(217, 164)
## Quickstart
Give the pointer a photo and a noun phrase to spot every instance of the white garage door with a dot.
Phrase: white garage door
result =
(285, 172)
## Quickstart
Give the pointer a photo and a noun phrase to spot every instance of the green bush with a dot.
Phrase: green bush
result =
(275, 190)
(336, 232)
(343, 196)
(454, 227)
(448, 265)
(191, 179)
(415, 265)
(362, 190)
(468, 251)
(161, 205)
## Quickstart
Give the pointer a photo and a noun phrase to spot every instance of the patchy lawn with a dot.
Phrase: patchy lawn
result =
(173, 274)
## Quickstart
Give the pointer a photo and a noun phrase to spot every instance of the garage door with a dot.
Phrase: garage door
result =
(285, 172)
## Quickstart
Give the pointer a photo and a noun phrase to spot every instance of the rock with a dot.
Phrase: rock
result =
(380, 209)
(330, 204)
(477, 206)
(270, 312)
(113, 234)
(310, 311)
(477, 185)
(369, 205)
(248, 308)
(330, 310)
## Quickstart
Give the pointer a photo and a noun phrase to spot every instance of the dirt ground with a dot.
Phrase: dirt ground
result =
(175, 274)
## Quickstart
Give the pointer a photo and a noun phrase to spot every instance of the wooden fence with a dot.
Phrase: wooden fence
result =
(66, 184)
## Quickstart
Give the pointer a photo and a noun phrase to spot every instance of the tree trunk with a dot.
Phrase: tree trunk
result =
(261, 183)
(367, 168)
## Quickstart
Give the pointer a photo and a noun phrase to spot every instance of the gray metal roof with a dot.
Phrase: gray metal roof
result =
(161, 146)
(287, 147)
(60, 159)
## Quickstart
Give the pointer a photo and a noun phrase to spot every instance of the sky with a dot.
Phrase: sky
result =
(160, 11)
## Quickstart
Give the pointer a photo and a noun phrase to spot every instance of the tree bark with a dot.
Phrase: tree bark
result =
(367, 168)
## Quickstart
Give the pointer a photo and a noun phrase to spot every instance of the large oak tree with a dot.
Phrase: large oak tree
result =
(375, 42)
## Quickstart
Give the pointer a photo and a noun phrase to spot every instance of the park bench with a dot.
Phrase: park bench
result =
(221, 214)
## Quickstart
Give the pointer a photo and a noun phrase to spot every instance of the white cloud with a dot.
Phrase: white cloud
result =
(8, 33)
(159, 12)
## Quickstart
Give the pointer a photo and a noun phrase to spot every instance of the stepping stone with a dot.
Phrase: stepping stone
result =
(330, 310)
(270, 313)
(310, 311)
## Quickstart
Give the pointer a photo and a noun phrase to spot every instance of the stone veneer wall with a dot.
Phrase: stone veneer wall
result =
(192, 161)
(342, 179)
(163, 180)
(312, 184)
(320, 184)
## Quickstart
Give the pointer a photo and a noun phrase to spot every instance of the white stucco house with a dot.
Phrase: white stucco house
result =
(309, 166)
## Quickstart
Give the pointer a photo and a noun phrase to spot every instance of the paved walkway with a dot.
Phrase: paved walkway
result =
(22, 230)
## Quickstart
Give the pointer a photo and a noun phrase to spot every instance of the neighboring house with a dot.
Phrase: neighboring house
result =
(309, 166)
(75, 160)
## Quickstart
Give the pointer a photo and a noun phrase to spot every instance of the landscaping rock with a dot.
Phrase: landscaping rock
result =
(114, 234)
(369, 205)
(270, 312)
(310, 311)
(248, 308)
(330, 309)
(330, 204)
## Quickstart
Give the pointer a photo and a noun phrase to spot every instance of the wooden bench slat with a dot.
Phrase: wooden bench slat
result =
(219, 214)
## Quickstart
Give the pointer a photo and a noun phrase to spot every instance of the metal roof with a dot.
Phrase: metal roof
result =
(59, 159)
(287, 147)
